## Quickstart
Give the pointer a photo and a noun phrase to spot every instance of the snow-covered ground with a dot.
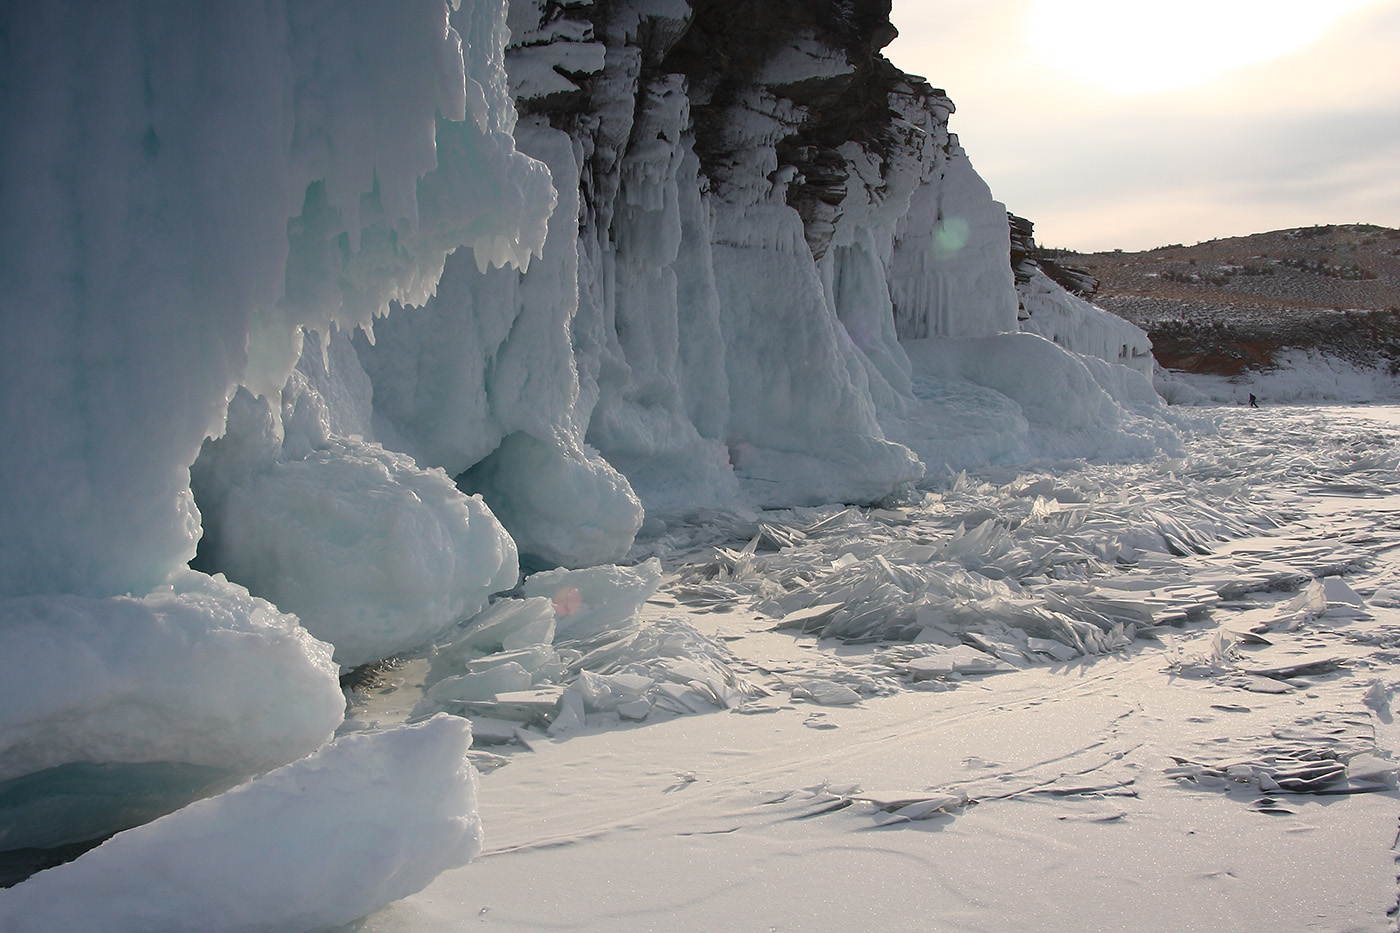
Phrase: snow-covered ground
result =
(1226, 762)
(1302, 376)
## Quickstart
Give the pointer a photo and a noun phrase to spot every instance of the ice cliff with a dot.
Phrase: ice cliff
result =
(354, 308)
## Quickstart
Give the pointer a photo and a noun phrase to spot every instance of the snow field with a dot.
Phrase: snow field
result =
(1302, 377)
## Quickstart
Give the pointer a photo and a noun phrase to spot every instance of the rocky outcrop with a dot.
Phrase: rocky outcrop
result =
(1055, 303)
(1026, 257)
(1233, 305)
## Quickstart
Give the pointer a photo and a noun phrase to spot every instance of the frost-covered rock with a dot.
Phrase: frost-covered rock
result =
(369, 819)
(1078, 325)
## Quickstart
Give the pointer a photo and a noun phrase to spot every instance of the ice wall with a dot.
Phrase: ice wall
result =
(949, 275)
(155, 158)
(767, 208)
(197, 204)
(714, 365)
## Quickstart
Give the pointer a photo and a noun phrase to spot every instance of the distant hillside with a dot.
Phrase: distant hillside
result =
(1225, 306)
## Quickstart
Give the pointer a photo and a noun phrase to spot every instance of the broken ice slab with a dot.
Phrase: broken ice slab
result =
(961, 659)
(1307, 776)
(1252, 638)
(635, 710)
(1377, 696)
(571, 713)
(1245, 576)
(1030, 489)
(775, 537)
(1007, 651)
(486, 762)
(676, 698)
(605, 692)
(1055, 649)
(1373, 769)
(826, 693)
(1301, 669)
(805, 618)
(1150, 600)
(589, 601)
(531, 658)
(629, 684)
(1342, 597)
(487, 730)
(1181, 539)
(507, 624)
(486, 685)
(891, 516)
(903, 808)
(1255, 684)
(531, 739)
(1310, 603)
(537, 705)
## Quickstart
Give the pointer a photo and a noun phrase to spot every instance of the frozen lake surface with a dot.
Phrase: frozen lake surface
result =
(1216, 753)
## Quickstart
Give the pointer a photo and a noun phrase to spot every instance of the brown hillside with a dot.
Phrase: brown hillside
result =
(1227, 305)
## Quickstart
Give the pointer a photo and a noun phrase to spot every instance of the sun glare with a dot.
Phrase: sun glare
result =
(1136, 48)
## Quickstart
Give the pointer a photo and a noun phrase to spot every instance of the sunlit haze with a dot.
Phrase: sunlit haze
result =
(1131, 125)
(1136, 48)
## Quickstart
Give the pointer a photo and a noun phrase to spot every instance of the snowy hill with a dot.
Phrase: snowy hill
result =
(1232, 305)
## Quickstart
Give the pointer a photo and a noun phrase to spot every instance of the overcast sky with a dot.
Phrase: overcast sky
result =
(1122, 123)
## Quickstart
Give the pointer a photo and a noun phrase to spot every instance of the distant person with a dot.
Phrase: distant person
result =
(1253, 402)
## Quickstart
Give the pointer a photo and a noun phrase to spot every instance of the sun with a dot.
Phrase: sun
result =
(1131, 47)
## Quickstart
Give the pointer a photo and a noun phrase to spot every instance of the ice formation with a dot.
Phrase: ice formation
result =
(367, 820)
(358, 310)
(578, 642)
(188, 194)
(134, 706)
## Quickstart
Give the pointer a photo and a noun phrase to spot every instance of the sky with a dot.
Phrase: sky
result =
(1126, 124)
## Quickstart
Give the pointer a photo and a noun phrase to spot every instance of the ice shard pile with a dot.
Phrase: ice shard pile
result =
(578, 642)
